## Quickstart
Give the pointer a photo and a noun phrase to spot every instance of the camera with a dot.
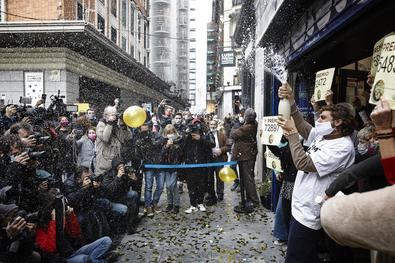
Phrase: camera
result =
(129, 170)
(94, 178)
(29, 217)
(33, 155)
(40, 139)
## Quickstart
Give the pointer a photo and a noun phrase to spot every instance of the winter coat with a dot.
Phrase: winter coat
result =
(86, 151)
(172, 153)
(148, 147)
(197, 151)
(245, 143)
(108, 145)
(80, 198)
(222, 141)
(115, 188)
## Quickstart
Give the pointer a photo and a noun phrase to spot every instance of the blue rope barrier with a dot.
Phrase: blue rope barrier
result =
(184, 166)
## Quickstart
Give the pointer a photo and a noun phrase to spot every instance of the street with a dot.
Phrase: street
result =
(218, 235)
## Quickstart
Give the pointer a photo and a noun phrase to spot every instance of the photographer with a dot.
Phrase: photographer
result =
(16, 236)
(124, 202)
(164, 113)
(27, 190)
(197, 150)
(148, 147)
(8, 118)
(84, 193)
(111, 134)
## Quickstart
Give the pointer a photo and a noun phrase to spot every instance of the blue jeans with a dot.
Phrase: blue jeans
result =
(280, 229)
(93, 252)
(119, 209)
(173, 195)
(149, 176)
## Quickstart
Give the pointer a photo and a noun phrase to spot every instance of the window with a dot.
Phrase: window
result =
(132, 50)
(124, 43)
(139, 28)
(80, 12)
(237, 2)
(124, 13)
(113, 35)
(101, 23)
(145, 35)
(114, 7)
(132, 20)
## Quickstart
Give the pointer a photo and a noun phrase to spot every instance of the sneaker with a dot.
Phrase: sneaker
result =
(143, 213)
(280, 242)
(176, 209)
(150, 212)
(169, 208)
(157, 209)
(191, 210)
(202, 208)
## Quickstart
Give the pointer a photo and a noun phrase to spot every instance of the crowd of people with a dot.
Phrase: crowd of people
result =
(337, 177)
(97, 169)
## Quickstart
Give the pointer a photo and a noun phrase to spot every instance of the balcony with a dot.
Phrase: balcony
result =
(161, 29)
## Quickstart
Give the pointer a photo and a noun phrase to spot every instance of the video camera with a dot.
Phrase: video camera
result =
(194, 128)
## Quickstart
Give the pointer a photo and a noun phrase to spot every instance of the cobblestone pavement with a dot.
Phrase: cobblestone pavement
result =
(218, 235)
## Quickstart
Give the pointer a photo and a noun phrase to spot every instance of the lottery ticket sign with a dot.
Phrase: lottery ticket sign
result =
(323, 83)
(384, 81)
(271, 132)
(272, 161)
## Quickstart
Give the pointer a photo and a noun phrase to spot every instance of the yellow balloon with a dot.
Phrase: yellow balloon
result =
(227, 175)
(134, 116)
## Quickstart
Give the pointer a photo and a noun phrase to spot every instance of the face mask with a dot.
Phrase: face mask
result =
(172, 136)
(64, 123)
(282, 144)
(362, 148)
(241, 120)
(92, 137)
(323, 128)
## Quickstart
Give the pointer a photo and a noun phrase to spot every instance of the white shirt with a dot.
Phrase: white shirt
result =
(330, 158)
(216, 139)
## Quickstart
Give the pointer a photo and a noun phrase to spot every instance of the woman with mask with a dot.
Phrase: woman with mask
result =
(330, 151)
(367, 144)
(86, 148)
(171, 154)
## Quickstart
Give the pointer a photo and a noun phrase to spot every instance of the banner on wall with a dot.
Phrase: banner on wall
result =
(34, 86)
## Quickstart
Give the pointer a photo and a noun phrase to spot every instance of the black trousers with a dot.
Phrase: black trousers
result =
(302, 244)
(247, 175)
(197, 186)
(211, 179)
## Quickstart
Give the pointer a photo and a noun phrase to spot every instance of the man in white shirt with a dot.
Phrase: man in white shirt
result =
(330, 151)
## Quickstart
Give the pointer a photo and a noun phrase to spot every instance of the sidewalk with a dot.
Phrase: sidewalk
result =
(218, 235)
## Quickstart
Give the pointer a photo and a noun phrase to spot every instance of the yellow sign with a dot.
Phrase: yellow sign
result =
(82, 107)
(272, 133)
(384, 81)
(272, 161)
(323, 83)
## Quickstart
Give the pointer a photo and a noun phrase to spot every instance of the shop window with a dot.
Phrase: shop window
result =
(101, 23)
(113, 35)
(114, 7)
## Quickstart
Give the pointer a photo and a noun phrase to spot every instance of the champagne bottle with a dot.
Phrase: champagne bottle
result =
(284, 108)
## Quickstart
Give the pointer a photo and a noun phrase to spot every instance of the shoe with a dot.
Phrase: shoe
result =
(150, 212)
(238, 189)
(211, 202)
(220, 198)
(191, 210)
(157, 209)
(234, 186)
(131, 230)
(176, 209)
(169, 208)
(280, 242)
(143, 213)
(202, 208)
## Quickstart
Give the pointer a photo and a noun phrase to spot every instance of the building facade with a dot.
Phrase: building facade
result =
(170, 41)
(89, 50)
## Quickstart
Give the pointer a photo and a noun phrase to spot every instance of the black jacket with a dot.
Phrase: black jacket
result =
(80, 198)
(148, 147)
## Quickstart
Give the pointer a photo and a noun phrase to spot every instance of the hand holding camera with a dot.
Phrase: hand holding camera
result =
(15, 227)
(22, 158)
(195, 136)
(121, 172)
(10, 111)
(86, 182)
